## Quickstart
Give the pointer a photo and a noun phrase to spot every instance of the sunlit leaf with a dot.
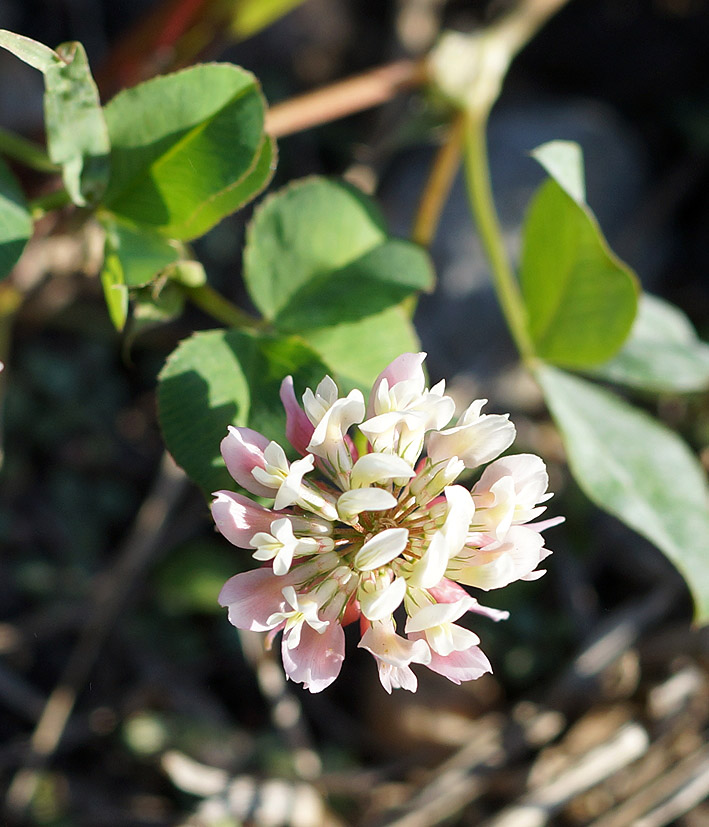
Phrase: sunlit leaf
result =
(637, 469)
(77, 137)
(115, 291)
(358, 351)
(318, 254)
(662, 353)
(187, 149)
(563, 160)
(581, 300)
(32, 52)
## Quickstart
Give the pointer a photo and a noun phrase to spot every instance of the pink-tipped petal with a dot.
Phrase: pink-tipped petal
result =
(252, 597)
(404, 367)
(449, 592)
(317, 659)
(543, 525)
(299, 429)
(446, 591)
(239, 518)
(242, 450)
(466, 665)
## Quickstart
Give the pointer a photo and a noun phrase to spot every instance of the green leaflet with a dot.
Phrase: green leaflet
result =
(580, 299)
(218, 378)
(15, 221)
(187, 149)
(662, 354)
(77, 137)
(636, 469)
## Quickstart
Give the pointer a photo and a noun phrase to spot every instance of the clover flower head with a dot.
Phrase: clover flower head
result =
(364, 527)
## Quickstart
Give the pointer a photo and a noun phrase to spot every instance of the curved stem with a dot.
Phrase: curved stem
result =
(51, 201)
(438, 186)
(25, 152)
(215, 305)
(482, 205)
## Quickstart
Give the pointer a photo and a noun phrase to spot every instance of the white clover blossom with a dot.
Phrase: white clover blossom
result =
(368, 536)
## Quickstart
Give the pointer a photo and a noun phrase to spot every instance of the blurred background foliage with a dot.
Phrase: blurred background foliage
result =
(177, 706)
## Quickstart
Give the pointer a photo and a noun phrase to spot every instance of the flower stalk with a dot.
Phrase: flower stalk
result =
(482, 205)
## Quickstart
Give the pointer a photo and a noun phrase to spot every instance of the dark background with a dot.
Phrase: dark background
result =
(628, 80)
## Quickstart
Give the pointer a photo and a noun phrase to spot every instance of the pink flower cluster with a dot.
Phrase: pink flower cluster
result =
(363, 525)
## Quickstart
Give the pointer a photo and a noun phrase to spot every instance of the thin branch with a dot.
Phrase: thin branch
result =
(346, 97)
(438, 186)
(26, 152)
(212, 302)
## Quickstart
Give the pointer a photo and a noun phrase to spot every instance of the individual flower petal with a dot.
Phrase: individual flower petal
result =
(434, 477)
(435, 614)
(275, 468)
(431, 566)
(464, 665)
(384, 431)
(381, 597)
(317, 659)
(281, 545)
(381, 549)
(328, 439)
(319, 403)
(396, 677)
(508, 492)
(406, 367)
(291, 491)
(498, 564)
(495, 513)
(243, 451)
(354, 502)
(447, 541)
(442, 635)
(401, 410)
(303, 612)
(449, 637)
(239, 518)
(543, 525)
(446, 591)
(253, 597)
(476, 439)
(393, 654)
(299, 429)
(379, 468)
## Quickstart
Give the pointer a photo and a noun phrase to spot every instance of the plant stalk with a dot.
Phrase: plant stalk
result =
(51, 201)
(346, 97)
(25, 152)
(438, 186)
(477, 179)
(215, 305)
